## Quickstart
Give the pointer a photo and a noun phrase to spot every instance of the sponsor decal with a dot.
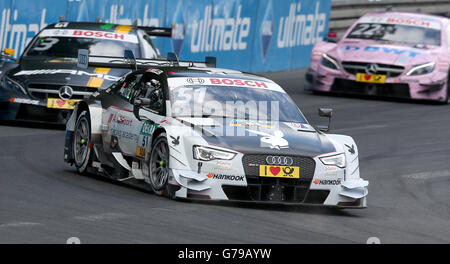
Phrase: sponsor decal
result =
(275, 141)
(23, 101)
(225, 177)
(81, 33)
(351, 149)
(299, 126)
(394, 51)
(123, 29)
(301, 30)
(327, 182)
(237, 82)
(61, 104)
(224, 163)
(408, 21)
(250, 123)
(121, 120)
(175, 82)
(83, 59)
(107, 26)
(230, 33)
(67, 71)
(148, 128)
(155, 71)
(175, 141)
(292, 172)
(124, 135)
(140, 152)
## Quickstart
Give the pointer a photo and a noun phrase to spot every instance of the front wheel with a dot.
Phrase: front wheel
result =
(159, 165)
(81, 142)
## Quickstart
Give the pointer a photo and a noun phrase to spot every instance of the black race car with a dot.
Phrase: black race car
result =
(45, 83)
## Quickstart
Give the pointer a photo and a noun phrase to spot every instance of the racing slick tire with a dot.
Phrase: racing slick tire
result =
(158, 166)
(81, 142)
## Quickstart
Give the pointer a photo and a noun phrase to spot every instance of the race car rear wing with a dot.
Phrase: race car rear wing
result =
(129, 61)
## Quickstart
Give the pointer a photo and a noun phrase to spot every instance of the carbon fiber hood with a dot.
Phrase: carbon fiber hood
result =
(250, 137)
(63, 71)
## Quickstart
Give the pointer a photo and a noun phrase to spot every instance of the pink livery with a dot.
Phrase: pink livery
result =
(390, 54)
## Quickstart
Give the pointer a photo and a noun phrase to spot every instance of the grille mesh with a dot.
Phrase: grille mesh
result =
(307, 165)
(384, 69)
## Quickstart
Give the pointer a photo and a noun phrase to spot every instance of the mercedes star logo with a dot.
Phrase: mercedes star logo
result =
(371, 68)
(65, 92)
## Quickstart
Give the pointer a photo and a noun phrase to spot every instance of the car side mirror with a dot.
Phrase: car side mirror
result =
(325, 112)
(9, 52)
(138, 104)
(331, 37)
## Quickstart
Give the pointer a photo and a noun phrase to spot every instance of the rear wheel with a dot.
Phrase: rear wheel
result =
(81, 142)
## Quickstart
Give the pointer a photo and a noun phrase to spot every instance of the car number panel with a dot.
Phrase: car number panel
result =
(370, 78)
(289, 172)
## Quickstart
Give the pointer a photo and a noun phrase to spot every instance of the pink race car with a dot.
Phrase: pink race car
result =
(393, 54)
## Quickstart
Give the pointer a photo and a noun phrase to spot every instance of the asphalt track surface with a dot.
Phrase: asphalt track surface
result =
(404, 153)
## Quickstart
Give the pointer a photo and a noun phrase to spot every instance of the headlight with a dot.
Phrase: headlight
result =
(335, 160)
(329, 62)
(206, 153)
(421, 69)
(8, 82)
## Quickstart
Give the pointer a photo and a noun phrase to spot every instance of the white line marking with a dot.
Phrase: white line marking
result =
(428, 175)
(100, 217)
(359, 128)
(19, 224)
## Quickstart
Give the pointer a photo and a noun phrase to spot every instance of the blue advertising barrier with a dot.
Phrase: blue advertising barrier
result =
(248, 35)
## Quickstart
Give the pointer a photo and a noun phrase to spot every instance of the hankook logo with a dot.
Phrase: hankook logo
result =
(65, 92)
(279, 160)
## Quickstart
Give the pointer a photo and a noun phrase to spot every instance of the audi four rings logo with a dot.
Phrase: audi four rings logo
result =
(279, 160)
(195, 80)
(65, 92)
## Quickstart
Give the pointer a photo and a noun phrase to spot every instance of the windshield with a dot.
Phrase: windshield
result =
(234, 102)
(404, 34)
(53, 43)
(68, 47)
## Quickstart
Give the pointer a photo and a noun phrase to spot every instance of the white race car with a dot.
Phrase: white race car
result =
(194, 132)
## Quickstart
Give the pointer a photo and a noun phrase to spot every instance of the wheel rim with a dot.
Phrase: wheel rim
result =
(159, 165)
(81, 142)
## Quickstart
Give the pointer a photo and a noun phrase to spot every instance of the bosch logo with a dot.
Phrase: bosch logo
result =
(279, 160)
(195, 80)
(372, 68)
(65, 92)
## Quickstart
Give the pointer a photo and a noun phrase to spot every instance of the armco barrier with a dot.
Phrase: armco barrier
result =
(249, 35)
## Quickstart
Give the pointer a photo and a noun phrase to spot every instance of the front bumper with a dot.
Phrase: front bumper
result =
(335, 192)
(420, 87)
(30, 110)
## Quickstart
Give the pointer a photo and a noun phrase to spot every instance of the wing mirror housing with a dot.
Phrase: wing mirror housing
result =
(9, 52)
(331, 37)
(325, 112)
(138, 104)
